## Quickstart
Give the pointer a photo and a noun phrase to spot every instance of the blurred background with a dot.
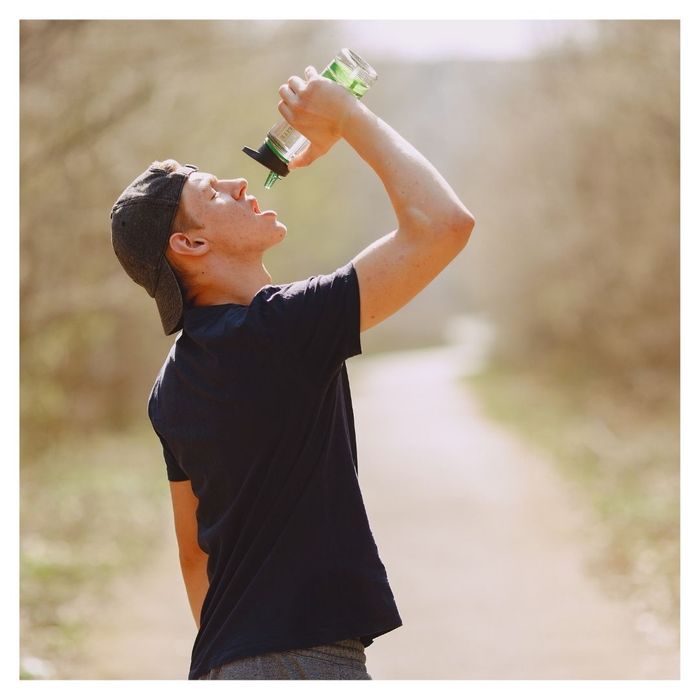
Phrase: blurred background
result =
(554, 337)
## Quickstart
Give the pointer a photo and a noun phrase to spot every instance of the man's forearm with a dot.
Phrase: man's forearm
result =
(422, 199)
(194, 572)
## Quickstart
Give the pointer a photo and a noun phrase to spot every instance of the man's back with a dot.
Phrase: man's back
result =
(253, 407)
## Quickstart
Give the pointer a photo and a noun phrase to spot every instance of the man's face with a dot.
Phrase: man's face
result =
(229, 217)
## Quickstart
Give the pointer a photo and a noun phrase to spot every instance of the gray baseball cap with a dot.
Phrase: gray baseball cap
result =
(142, 219)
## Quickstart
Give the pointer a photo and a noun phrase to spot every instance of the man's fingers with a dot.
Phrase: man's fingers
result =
(284, 110)
(286, 94)
(299, 160)
(306, 157)
(296, 84)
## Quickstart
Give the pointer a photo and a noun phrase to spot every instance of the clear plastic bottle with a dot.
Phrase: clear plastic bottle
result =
(283, 142)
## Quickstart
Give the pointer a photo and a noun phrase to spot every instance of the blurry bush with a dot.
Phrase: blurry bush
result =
(580, 202)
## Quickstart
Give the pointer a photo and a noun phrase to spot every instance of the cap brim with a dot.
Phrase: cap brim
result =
(169, 299)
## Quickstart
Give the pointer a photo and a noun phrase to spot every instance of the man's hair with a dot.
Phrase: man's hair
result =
(183, 221)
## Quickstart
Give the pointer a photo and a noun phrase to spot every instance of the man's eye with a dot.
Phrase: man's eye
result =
(216, 194)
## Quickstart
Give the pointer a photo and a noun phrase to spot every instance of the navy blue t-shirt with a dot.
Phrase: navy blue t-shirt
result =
(253, 406)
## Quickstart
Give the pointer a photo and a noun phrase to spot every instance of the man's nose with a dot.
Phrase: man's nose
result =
(240, 186)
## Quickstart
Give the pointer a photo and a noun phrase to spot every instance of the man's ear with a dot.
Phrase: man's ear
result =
(187, 244)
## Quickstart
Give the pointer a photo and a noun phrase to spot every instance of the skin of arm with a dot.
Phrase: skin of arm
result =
(193, 560)
(194, 573)
(424, 203)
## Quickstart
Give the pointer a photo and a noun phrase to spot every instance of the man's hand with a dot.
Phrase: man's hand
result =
(318, 108)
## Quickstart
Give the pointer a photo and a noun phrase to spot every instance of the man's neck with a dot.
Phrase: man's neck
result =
(230, 285)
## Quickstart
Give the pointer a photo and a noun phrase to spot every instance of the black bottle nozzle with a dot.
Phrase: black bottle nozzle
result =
(266, 156)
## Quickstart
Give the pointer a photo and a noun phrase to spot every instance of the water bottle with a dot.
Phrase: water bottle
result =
(283, 142)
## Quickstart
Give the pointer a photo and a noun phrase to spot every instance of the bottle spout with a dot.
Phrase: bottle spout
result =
(272, 178)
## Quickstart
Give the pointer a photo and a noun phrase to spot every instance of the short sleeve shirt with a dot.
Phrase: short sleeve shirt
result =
(253, 407)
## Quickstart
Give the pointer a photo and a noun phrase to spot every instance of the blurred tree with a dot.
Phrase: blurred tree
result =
(586, 156)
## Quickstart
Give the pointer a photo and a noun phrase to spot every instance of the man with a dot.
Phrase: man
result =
(253, 407)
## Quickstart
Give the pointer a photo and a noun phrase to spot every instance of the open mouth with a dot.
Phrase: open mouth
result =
(256, 208)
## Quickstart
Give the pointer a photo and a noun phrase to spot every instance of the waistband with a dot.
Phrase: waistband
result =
(347, 649)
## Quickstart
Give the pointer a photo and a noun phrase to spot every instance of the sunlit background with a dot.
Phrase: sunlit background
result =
(518, 421)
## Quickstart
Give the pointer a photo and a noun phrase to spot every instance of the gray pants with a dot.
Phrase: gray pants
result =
(341, 661)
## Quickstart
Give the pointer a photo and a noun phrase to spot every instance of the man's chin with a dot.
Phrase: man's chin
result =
(280, 232)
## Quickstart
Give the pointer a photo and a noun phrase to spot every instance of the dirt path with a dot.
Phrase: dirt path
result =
(485, 547)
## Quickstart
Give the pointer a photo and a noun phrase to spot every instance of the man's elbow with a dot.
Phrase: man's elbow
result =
(193, 558)
(451, 226)
(462, 225)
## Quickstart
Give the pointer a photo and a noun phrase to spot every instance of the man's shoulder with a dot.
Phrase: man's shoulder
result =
(309, 288)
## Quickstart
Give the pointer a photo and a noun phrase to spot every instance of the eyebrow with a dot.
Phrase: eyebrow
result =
(207, 183)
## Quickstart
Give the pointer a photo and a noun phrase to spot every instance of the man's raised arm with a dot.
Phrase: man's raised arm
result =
(433, 224)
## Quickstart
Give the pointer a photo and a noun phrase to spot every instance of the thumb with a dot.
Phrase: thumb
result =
(310, 72)
(306, 157)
